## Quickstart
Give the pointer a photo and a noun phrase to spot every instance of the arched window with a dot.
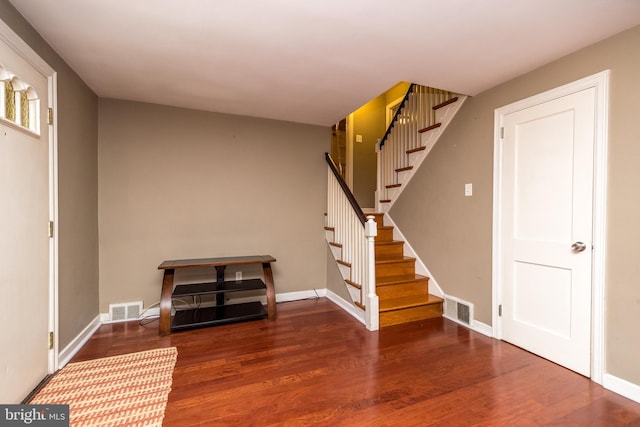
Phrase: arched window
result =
(19, 103)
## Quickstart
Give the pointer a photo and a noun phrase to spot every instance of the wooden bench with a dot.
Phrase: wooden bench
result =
(220, 313)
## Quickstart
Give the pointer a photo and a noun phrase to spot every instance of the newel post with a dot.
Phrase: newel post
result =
(371, 298)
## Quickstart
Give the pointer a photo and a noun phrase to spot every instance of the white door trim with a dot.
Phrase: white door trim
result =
(348, 177)
(9, 37)
(600, 82)
(388, 108)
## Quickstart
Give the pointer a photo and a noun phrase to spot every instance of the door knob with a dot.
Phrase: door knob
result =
(578, 247)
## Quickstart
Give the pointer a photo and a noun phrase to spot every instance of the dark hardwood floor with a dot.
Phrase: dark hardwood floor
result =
(316, 365)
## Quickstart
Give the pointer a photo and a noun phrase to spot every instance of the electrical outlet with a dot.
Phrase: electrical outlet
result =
(238, 275)
(468, 190)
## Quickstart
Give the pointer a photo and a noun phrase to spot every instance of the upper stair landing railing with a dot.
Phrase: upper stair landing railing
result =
(410, 131)
(351, 237)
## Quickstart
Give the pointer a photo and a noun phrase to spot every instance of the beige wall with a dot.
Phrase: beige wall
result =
(177, 183)
(452, 234)
(78, 186)
(368, 121)
(335, 282)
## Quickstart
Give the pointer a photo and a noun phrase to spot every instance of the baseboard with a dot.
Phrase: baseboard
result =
(345, 305)
(295, 296)
(322, 293)
(475, 326)
(622, 387)
(282, 297)
(150, 312)
(67, 353)
(482, 328)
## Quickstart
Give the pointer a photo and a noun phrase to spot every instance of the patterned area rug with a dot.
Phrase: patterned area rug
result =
(130, 390)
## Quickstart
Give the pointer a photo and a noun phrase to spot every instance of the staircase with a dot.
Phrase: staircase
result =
(419, 122)
(403, 294)
(382, 282)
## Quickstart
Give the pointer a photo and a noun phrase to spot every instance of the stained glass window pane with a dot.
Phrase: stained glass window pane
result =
(24, 110)
(10, 101)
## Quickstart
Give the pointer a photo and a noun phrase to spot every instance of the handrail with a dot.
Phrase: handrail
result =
(345, 188)
(397, 114)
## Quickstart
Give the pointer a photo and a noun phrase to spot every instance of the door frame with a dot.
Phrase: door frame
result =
(11, 39)
(389, 107)
(348, 176)
(599, 81)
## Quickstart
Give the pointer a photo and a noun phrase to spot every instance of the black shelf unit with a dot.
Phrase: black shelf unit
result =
(221, 313)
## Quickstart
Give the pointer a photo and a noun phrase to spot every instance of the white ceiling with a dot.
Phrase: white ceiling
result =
(311, 61)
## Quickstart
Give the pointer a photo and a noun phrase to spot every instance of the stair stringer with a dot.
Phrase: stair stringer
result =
(428, 139)
(421, 268)
(345, 272)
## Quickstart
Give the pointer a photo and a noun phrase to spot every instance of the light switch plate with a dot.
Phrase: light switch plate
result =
(468, 190)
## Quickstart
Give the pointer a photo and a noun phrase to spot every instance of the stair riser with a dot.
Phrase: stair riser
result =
(395, 251)
(384, 235)
(410, 314)
(400, 269)
(403, 289)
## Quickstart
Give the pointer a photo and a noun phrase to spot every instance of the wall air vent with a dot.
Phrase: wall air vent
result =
(457, 310)
(463, 313)
(125, 311)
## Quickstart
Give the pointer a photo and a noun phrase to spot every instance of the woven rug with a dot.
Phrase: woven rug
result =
(127, 390)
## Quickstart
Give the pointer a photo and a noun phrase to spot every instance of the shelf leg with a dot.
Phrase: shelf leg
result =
(165, 302)
(271, 291)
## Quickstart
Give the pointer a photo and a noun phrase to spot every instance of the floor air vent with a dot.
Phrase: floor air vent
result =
(458, 310)
(126, 311)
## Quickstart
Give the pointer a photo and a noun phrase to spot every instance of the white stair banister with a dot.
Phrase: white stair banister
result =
(354, 235)
(411, 134)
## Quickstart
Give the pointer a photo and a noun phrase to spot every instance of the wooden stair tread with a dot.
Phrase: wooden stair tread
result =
(406, 168)
(428, 128)
(415, 150)
(393, 185)
(445, 103)
(352, 283)
(389, 281)
(391, 261)
(336, 244)
(409, 302)
(391, 242)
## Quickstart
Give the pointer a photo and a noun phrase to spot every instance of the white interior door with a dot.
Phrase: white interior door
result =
(546, 208)
(25, 246)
